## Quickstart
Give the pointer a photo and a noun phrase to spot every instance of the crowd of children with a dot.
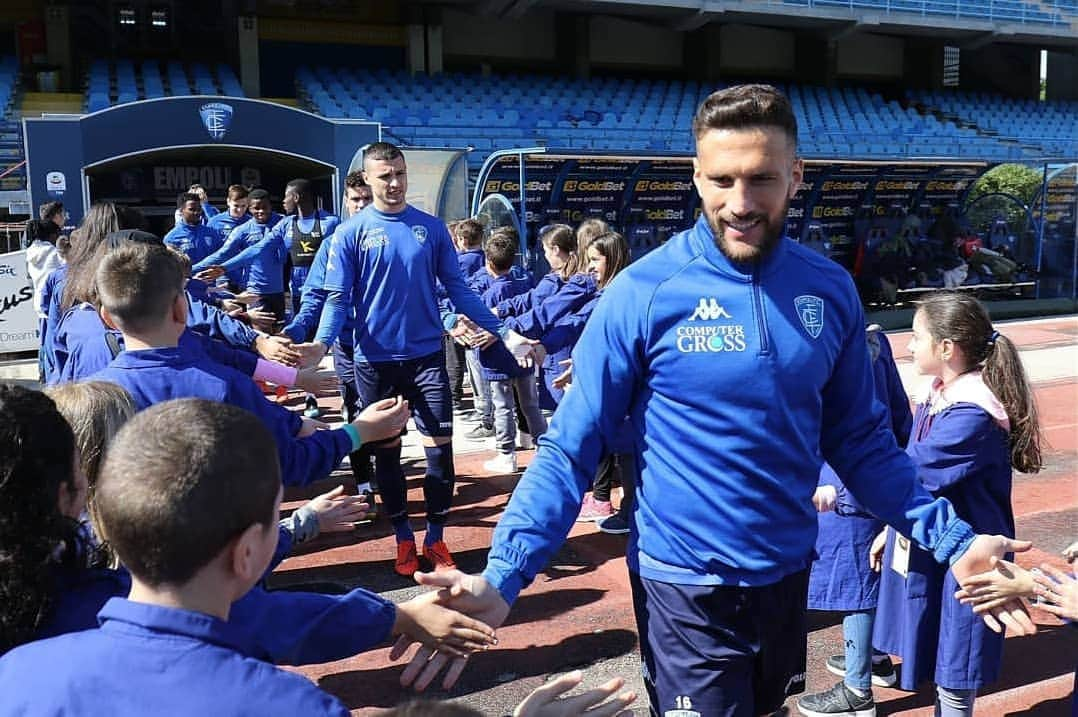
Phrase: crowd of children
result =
(139, 498)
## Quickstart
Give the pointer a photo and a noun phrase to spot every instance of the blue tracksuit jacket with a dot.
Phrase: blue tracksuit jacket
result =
(738, 381)
(197, 242)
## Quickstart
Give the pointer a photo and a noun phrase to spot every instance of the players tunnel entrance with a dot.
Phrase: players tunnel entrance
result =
(151, 180)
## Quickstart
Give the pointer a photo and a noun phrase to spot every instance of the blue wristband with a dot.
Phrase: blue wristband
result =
(353, 433)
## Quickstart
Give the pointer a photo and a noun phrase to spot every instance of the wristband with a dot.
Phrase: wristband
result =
(353, 433)
(275, 373)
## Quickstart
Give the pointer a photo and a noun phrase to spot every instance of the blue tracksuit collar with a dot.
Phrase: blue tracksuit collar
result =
(172, 356)
(184, 623)
(703, 239)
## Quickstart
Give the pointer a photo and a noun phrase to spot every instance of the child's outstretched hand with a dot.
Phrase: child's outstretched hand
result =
(995, 587)
(337, 512)
(1059, 591)
(546, 701)
(422, 619)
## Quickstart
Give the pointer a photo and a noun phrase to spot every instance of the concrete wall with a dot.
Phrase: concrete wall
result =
(613, 41)
(756, 51)
(869, 56)
(489, 38)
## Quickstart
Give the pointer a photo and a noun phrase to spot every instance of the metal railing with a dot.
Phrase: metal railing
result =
(992, 10)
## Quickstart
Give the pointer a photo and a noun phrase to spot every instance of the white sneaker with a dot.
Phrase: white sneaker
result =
(525, 442)
(502, 463)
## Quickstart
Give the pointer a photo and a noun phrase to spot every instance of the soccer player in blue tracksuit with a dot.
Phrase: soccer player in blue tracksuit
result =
(224, 222)
(842, 579)
(140, 290)
(301, 232)
(740, 359)
(191, 236)
(250, 247)
(383, 265)
(192, 514)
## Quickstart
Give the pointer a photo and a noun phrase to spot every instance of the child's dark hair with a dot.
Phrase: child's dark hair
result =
(561, 236)
(180, 481)
(102, 219)
(468, 232)
(49, 210)
(965, 321)
(37, 454)
(616, 250)
(500, 250)
(137, 284)
(41, 230)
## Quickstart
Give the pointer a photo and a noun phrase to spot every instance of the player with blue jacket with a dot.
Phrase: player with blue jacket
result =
(384, 265)
(250, 248)
(740, 359)
(191, 236)
(224, 222)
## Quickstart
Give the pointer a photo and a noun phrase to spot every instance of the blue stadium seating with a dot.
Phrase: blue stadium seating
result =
(642, 115)
(11, 150)
(1047, 129)
(109, 84)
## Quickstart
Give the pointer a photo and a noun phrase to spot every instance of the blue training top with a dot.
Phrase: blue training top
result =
(197, 242)
(496, 363)
(249, 247)
(148, 659)
(386, 266)
(738, 381)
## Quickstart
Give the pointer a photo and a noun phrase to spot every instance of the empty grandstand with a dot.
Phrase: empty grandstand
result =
(121, 81)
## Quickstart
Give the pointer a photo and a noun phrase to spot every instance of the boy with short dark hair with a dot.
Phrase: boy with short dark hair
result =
(188, 495)
(141, 293)
(508, 381)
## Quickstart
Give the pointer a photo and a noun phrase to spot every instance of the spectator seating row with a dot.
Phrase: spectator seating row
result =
(113, 83)
(495, 112)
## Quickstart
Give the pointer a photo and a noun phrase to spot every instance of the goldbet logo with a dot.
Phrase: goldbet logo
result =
(653, 185)
(573, 185)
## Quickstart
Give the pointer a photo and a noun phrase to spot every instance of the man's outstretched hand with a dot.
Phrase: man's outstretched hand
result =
(978, 559)
(469, 594)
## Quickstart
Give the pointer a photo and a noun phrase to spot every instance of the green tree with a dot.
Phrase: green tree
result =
(1017, 181)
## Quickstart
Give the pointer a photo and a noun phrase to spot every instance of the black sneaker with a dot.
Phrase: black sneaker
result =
(883, 671)
(839, 700)
(480, 431)
(616, 524)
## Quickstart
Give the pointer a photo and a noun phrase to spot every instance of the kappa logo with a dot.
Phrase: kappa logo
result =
(420, 233)
(709, 309)
(810, 310)
(216, 118)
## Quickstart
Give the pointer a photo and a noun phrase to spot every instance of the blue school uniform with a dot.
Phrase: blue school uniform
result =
(84, 345)
(293, 628)
(197, 242)
(152, 376)
(841, 578)
(559, 342)
(385, 267)
(149, 659)
(250, 249)
(962, 453)
(547, 287)
(569, 299)
(51, 297)
(496, 363)
(471, 261)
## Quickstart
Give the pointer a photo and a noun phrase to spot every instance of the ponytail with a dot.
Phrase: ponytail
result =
(965, 321)
(1005, 376)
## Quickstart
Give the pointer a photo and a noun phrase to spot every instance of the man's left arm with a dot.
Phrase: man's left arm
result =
(465, 300)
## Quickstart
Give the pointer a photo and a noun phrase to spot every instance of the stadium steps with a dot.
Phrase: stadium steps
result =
(35, 104)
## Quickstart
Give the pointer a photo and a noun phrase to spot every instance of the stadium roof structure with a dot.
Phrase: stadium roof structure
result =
(968, 21)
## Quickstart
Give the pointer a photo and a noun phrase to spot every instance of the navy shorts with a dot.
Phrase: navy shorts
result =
(721, 650)
(423, 382)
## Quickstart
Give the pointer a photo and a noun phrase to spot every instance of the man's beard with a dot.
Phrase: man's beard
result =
(748, 253)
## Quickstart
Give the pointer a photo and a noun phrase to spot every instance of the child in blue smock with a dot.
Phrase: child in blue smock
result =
(192, 515)
(841, 579)
(140, 287)
(974, 423)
